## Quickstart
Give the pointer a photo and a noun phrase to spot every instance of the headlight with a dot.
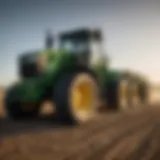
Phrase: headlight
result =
(41, 62)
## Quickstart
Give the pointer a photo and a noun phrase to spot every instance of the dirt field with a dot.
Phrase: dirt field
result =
(130, 135)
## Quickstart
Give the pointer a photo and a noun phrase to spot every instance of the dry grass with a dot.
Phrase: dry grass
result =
(2, 94)
(154, 96)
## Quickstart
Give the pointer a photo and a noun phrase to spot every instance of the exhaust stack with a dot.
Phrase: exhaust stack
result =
(49, 39)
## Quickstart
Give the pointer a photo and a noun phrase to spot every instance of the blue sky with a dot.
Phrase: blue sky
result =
(131, 30)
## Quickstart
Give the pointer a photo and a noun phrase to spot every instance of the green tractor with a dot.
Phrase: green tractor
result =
(75, 78)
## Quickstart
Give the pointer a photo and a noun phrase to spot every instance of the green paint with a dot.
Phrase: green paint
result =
(32, 89)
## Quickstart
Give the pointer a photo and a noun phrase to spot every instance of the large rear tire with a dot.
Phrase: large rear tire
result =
(143, 93)
(117, 95)
(75, 97)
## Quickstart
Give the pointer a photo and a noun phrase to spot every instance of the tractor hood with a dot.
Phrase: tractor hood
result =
(28, 89)
(33, 88)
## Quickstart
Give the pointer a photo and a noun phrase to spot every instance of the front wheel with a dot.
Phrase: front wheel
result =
(15, 109)
(75, 96)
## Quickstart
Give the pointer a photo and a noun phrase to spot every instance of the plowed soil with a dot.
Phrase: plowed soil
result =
(133, 134)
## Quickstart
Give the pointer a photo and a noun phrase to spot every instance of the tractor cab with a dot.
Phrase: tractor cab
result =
(85, 43)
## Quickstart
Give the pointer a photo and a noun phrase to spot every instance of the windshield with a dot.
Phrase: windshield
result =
(75, 46)
(98, 54)
(96, 47)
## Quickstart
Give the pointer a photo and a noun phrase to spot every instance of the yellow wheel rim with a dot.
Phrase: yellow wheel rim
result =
(83, 96)
(123, 93)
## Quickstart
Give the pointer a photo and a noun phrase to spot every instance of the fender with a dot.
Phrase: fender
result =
(78, 68)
